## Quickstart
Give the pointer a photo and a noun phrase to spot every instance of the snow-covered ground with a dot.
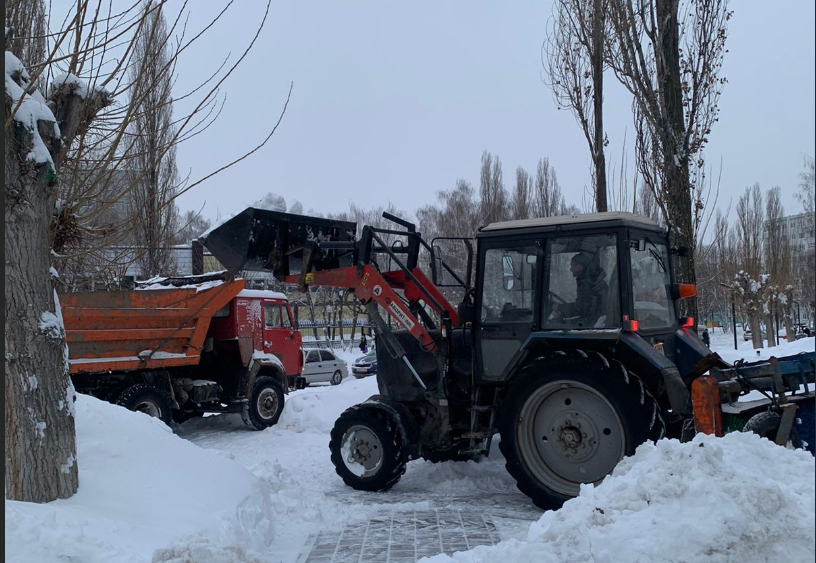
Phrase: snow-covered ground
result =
(211, 491)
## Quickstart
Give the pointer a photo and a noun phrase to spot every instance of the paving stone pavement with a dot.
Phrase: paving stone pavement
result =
(405, 537)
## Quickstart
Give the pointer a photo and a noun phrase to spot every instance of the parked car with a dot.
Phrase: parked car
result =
(748, 335)
(322, 366)
(365, 365)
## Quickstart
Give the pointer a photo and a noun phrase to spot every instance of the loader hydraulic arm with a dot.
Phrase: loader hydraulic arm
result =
(370, 285)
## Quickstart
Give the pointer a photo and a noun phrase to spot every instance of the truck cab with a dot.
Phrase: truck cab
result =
(259, 323)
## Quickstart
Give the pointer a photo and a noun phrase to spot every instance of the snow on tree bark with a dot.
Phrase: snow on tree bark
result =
(40, 445)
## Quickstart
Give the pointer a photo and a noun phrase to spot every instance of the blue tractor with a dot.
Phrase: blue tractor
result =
(569, 345)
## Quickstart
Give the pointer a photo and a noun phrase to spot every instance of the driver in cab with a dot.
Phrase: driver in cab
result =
(591, 289)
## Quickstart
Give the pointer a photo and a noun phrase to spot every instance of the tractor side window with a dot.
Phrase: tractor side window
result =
(509, 285)
(651, 283)
(285, 315)
(272, 316)
(582, 283)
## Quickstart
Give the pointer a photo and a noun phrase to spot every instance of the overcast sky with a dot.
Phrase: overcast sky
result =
(393, 102)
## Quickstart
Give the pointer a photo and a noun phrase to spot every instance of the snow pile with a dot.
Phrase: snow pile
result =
(271, 202)
(143, 489)
(318, 411)
(737, 498)
(275, 202)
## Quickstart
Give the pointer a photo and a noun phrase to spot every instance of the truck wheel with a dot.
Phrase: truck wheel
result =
(367, 450)
(337, 378)
(766, 424)
(264, 407)
(141, 397)
(569, 420)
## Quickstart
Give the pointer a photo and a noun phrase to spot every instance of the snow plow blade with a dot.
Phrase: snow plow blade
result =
(262, 240)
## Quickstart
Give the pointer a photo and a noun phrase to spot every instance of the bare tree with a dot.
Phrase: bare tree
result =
(153, 154)
(75, 130)
(807, 186)
(669, 58)
(491, 190)
(27, 20)
(750, 280)
(95, 227)
(777, 251)
(39, 416)
(547, 198)
(574, 63)
(805, 265)
(520, 204)
(193, 225)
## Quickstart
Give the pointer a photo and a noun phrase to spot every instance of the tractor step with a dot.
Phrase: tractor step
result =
(480, 408)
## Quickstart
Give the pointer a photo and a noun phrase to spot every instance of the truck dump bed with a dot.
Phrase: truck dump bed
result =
(141, 329)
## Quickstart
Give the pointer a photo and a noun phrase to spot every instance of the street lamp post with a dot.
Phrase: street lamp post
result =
(734, 321)
(733, 314)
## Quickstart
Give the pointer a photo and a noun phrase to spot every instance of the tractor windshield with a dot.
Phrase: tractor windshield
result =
(651, 283)
(582, 283)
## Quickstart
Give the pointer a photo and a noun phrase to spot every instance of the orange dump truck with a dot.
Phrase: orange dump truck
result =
(180, 347)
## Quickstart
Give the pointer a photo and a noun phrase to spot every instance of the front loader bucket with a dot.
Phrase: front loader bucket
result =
(263, 240)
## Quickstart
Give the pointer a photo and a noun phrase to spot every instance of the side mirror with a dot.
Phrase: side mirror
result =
(437, 269)
(682, 251)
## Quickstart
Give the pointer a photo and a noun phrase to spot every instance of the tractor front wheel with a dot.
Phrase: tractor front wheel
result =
(367, 449)
(569, 420)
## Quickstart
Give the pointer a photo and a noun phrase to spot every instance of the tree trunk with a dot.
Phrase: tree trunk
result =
(771, 331)
(40, 439)
(790, 330)
(675, 155)
(597, 103)
(756, 330)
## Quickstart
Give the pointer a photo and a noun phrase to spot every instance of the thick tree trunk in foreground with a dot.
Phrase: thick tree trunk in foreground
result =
(39, 412)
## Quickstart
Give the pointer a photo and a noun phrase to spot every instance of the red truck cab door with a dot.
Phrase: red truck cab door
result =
(280, 337)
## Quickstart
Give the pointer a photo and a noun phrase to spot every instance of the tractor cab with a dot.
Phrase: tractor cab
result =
(568, 280)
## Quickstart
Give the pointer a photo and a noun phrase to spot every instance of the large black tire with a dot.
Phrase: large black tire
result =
(367, 450)
(141, 397)
(569, 419)
(766, 424)
(265, 405)
(336, 378)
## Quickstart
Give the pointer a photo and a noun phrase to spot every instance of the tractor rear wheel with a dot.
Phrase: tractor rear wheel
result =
(367, 450)
(569, 419)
